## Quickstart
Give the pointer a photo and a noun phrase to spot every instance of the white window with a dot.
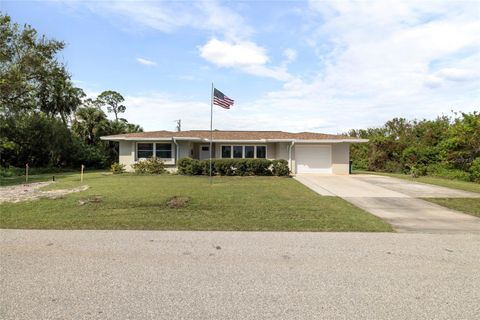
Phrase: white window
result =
(144, 150)
(149, 150)
(249, 152)
(163, 150)
(238, 151)
(226, 151)
(243, 151)
(261, 152)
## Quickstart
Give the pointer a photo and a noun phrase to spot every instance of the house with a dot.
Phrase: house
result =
(306, 152)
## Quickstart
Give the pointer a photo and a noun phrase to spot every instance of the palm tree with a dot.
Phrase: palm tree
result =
(90, 124)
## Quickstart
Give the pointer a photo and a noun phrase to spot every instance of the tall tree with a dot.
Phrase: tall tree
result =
(112, 100)
(90, 123)
(27, 63)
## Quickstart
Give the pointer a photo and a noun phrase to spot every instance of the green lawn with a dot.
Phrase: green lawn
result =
(466, 205)
(232, 203)
(443, 182)
(10, 181)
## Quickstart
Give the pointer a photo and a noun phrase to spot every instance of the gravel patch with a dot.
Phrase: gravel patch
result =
(32, 191)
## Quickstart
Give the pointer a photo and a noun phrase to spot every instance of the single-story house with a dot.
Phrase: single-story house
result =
(306, 152)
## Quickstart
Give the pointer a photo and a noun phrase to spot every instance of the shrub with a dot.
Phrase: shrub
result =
(118, 168)
(183, 164)
(418, 171)
(475, 170)
(280, 168)
(443, 171)
(152, 166)
(234, 167)
(393, 166)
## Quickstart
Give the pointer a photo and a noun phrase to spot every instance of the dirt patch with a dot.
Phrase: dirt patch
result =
(178, 202)
(32, 191)
(93, 199)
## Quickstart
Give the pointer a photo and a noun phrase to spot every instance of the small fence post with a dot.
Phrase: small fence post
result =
(26, 173)
(81, 173)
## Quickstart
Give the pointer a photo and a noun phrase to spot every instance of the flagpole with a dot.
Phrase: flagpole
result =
(211, 134)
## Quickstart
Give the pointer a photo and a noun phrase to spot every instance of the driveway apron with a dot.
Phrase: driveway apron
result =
(397, 201)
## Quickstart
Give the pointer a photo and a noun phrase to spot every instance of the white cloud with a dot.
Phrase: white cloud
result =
(225, 54)
(290, 54)
(245, 55)
(384, 59)
(146, 62)
(169, 16)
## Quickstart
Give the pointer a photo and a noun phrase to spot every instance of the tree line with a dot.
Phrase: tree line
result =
(45, 120)
(448, 146)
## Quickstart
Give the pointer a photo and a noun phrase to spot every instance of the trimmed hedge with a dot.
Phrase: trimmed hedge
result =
(234, 167)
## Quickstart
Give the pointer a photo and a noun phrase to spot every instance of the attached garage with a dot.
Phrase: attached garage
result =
(313, 158)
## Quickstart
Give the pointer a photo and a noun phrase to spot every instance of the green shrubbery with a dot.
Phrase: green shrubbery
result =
(118, 168)
(234, 167)
(447, 147)
(151, 166)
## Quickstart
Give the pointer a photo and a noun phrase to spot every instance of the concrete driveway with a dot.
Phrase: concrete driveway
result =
(396, 201)
(55, 274)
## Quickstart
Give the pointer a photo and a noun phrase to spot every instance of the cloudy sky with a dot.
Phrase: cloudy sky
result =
(324, 66)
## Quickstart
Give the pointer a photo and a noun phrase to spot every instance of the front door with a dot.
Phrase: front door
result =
(204, 151)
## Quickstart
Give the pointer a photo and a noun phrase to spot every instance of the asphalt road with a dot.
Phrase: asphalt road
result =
(237, 275)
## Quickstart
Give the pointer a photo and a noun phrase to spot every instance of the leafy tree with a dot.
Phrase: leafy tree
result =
(38, 102)
(112, 100)
(90, 124)
(446, 146)
(28, 64)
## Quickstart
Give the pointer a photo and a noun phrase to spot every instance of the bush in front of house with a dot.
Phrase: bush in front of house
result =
(280, 168)
(234, 167)
(151, 166)
(117, 168)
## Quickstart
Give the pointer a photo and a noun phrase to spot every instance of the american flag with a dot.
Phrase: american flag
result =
(221, 100)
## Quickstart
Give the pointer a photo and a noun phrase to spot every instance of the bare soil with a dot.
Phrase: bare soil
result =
(32, 191)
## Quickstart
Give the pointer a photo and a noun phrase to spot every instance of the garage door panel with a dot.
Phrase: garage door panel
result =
(313, 158)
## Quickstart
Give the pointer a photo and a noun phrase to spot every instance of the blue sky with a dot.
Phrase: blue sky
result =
(323, 66)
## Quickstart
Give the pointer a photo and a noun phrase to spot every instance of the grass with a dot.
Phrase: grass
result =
(15, 180)
(231, 203)
(443, 182)
(467, 205)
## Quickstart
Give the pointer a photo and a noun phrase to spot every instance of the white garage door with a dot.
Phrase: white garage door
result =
(313, 158)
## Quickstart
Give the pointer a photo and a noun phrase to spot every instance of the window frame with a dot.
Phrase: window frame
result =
(166, 160)
(221, 151)
(243, 150)
(266, 152)
(137, 150)
(164, 143)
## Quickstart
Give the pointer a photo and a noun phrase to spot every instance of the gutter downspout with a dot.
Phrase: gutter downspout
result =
(176, 150)
(290, 155)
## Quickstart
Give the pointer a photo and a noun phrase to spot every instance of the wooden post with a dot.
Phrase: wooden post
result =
(81, 173)
(26, 173)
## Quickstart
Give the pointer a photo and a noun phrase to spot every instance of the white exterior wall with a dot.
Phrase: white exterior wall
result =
(340, 158)
(126, 154)
(185, 149)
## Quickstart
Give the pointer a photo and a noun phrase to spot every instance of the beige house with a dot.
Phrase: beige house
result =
(306, 152)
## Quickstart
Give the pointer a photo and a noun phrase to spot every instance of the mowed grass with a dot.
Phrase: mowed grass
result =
(443, 182)
(467, 205)
(231, 203)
